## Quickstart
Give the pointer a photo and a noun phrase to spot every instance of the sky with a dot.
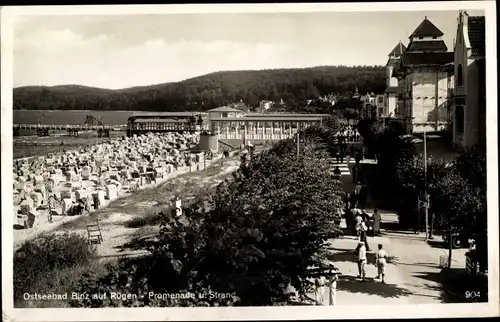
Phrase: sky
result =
(135, 50)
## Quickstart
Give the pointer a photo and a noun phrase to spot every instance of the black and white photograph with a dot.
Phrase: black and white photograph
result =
(250, 160)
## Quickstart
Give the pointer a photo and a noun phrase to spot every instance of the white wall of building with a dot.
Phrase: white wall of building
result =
(390, 104)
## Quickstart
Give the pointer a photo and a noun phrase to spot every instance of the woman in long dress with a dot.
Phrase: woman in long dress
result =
(381, 262)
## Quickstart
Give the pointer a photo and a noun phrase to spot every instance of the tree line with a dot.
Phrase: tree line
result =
(294, 86)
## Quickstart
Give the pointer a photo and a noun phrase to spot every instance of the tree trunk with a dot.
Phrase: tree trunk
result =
(450, 247)
(431, 234)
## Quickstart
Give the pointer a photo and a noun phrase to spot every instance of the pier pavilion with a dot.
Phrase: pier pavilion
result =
(263, 126)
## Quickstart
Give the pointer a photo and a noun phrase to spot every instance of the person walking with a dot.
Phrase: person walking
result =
(347, 158)
(381, 261)
(357, 189)
(337, 172)
(357, 158)
(354, 173)
(361, 252)
(351, 218)
(347, 207)
(358, 224)
(416, 227)
(340, 139)
(364, 235)
(376, 222)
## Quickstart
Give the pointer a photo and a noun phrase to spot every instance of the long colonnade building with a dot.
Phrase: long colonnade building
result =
(241, 127)
(263, 126)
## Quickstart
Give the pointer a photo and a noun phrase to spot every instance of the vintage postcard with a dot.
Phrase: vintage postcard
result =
(249, 161)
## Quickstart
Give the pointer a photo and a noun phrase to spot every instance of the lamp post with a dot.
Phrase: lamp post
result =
(298, 141)
(426, 196)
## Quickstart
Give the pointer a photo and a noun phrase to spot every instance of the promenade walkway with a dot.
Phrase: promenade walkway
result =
(412, 275)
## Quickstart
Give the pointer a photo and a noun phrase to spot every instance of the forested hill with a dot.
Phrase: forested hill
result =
(294, 86)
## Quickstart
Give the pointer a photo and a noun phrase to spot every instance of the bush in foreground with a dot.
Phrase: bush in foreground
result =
(50, 264)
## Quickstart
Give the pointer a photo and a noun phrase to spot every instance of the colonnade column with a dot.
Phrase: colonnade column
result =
(245, 133)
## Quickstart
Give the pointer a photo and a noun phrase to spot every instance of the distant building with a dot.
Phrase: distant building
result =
(356, 94)
(240, 106)
(469, 117)
(392, 90)
(380, 109)
(224, 111)
(423, 80)
(367, 105)
(265, 105)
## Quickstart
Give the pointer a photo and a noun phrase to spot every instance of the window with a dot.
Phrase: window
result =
(459, 101)
(459, 118)
(459, 75)
(435, 37)
(420, 37)
(381, 99)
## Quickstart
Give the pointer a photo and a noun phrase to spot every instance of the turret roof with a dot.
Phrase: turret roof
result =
(426, 29)
(398, 50)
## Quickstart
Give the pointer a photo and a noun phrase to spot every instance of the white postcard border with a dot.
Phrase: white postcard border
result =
(8, 16)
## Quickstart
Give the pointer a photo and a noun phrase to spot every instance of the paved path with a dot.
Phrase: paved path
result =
(412, 272)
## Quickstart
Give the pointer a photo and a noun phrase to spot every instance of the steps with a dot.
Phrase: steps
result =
(344, 168)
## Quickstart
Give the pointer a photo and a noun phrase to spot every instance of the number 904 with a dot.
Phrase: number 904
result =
(472, 294)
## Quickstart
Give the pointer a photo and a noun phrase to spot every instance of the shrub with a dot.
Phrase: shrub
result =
(39, 264)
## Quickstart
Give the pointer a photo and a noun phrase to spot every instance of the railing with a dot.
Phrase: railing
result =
(255, 136)
(67, 127)
(471, 265)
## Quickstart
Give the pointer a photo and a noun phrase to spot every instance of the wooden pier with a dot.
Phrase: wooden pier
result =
(73, 130)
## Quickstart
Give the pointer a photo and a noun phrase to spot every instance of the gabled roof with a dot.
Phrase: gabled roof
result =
(398, 50)
(426, 29)
(477, 33)
(432, 45)
(224, 109)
